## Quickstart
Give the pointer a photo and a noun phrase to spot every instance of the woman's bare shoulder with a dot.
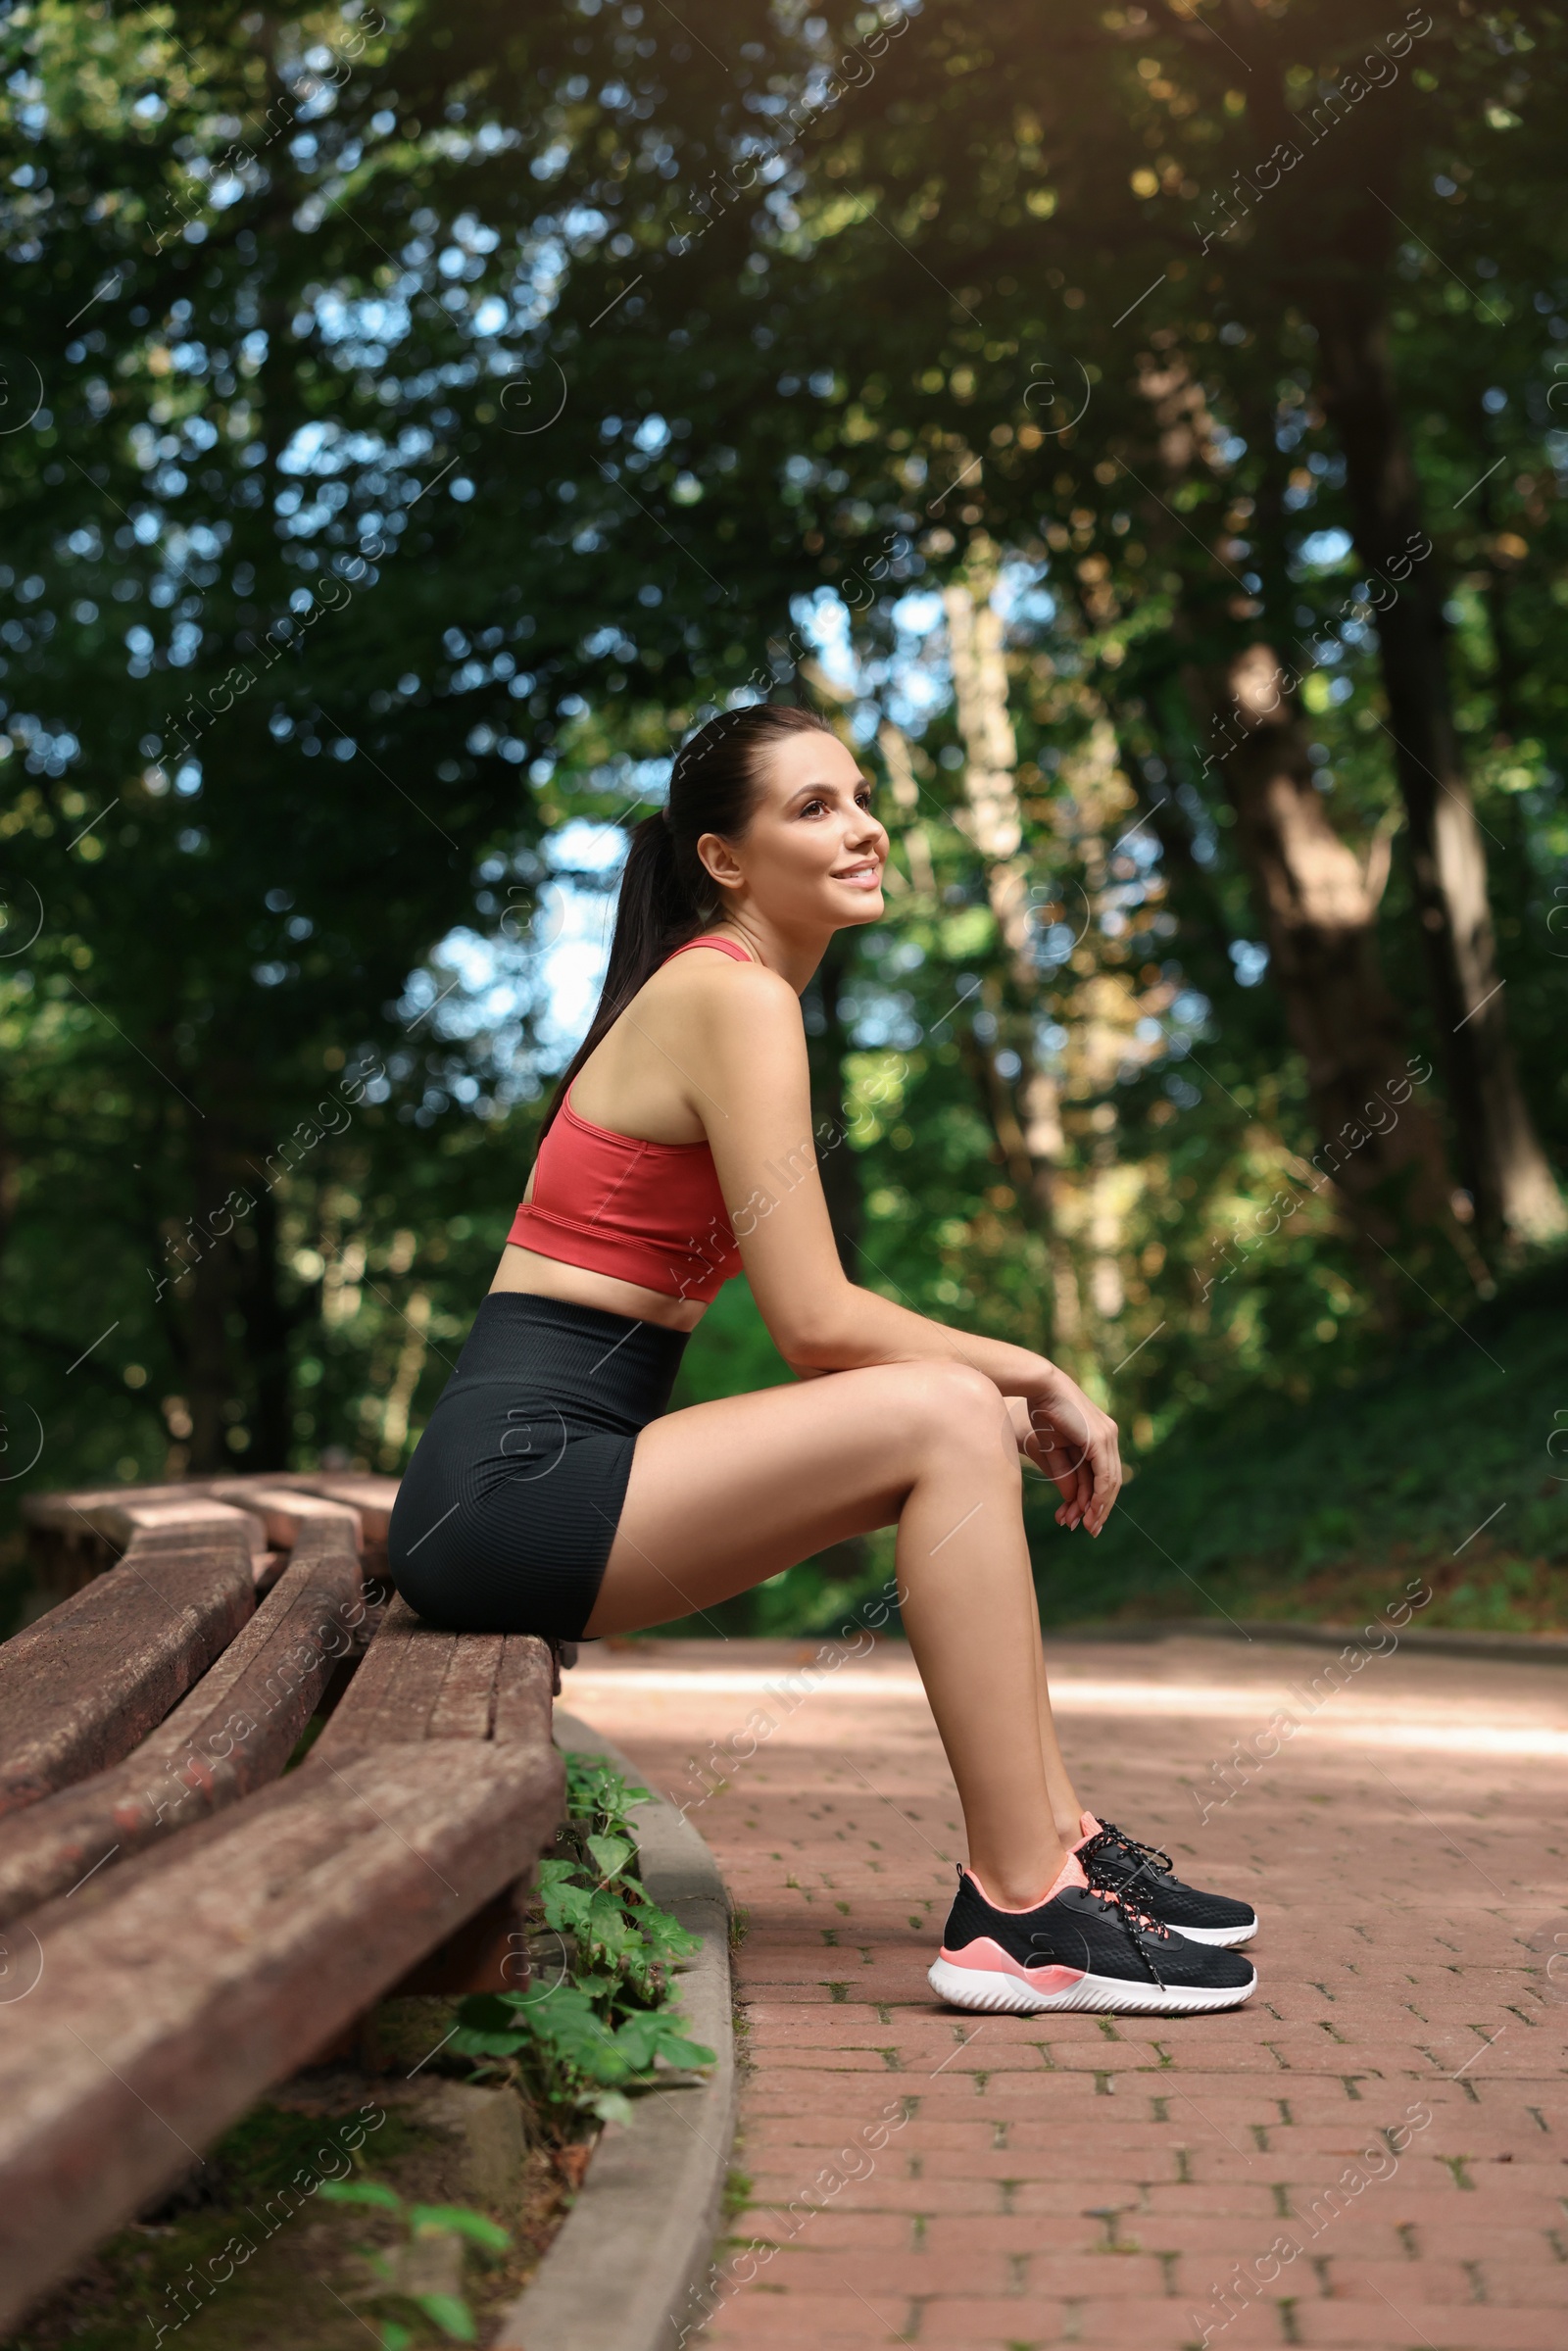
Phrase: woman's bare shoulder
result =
(735, 1010)
(733, 989)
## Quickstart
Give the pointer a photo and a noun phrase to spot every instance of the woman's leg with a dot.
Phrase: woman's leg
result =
(1065, 1808)
(724, 1495)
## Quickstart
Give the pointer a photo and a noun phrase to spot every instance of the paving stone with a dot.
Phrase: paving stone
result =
(1105, 2182)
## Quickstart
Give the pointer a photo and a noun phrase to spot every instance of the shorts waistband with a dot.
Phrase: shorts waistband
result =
(580, 1357)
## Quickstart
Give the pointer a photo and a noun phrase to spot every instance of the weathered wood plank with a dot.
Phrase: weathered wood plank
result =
(80, 1686)
(377, 1669)
(465, 1706)
(427, 1660)
(174, 1517)
(63, 1513)
(232, 1734)
(360, 1490)
(176, 1991)
(371, 1496)
(397, 1689)
(523, 1689)
(284, 1510)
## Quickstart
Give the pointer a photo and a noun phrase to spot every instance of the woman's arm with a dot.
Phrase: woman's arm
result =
(756, 1107)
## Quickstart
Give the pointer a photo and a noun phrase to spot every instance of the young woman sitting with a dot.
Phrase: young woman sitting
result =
(554, 1492)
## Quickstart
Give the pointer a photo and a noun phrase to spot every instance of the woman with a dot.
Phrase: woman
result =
(552, 1492)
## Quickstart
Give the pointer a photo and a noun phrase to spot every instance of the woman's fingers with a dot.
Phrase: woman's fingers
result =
(1087, 1472)
(1058, 1467)
(1075, 1444)
(1107, 1460)
(1071, 1508)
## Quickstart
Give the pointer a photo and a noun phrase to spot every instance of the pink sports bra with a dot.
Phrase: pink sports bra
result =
(646, 1212)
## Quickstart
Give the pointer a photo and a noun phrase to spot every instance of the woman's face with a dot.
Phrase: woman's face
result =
(813, 855)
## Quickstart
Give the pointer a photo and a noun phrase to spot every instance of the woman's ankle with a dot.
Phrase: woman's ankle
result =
(1012, 1886)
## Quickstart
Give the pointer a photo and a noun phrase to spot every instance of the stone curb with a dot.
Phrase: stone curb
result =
(626, 2270)
(1509, 1649)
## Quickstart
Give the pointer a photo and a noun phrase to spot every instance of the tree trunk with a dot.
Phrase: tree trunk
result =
(906, 793)
(265, 1341)
(1512, 1185)
(994, 822)
(207, 1367)
(1382, 1146)
(1024, 1113)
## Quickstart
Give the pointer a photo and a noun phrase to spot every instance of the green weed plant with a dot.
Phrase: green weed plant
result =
(603, 2023)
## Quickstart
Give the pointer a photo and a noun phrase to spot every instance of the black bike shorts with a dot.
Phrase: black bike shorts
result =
(507, 1510)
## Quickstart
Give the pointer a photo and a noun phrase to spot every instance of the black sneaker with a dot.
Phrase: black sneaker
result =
(1122, 1865)
(1082, 1947)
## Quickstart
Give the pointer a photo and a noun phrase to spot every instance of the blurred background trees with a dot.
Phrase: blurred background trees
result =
(1135, 427)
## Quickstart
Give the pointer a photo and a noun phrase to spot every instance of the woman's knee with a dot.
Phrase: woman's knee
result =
(954, 1405)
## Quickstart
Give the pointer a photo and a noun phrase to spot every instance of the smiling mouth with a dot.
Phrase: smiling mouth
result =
(869, 871)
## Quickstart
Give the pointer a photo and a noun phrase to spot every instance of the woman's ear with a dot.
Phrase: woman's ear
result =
(720, 859)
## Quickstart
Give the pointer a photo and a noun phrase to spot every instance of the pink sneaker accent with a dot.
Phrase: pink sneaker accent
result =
(1090, 1827)
(988, 1958)
(1072, 1873)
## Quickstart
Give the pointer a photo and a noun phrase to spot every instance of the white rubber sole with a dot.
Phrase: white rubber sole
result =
(998, 1994)
(1219, 1938)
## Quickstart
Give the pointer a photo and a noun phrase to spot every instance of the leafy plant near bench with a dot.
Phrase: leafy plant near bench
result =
(392, 2270)
(604, 2017)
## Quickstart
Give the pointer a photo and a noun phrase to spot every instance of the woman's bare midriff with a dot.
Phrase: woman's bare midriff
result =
(547, 1277)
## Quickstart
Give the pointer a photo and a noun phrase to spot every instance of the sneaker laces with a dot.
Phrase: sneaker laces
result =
(1096, 1857)
(1138, 1925)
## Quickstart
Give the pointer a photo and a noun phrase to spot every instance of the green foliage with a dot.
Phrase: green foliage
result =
(1449, 1466)
(319, 650)
(450, 2313)
(602, 2021)
(238, 2251)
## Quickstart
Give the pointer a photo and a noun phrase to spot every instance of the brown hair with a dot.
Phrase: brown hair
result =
(668, 895)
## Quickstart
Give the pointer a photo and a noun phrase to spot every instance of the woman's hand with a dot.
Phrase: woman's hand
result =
(1074, 1444)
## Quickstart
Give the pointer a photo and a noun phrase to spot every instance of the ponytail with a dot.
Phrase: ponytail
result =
(668, 896)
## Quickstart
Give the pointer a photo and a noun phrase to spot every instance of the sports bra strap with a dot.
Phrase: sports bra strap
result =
(725, 946)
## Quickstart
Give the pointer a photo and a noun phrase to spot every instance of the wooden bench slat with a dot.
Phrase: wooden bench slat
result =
(523, 1689)
(465, 1707)
(321, 1562)
(82, 1685)
(231, 1734)
(412, 1700)
(63, 1513)
(362, 1490)
(176, 1518)
(374, 1674)
(187, 1983)
(284, 1510)
(396, 1690)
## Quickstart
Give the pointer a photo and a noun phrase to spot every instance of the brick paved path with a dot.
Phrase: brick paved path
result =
(1373, 2152)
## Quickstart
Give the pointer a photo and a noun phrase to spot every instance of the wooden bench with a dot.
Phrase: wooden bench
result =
(182, 1925)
